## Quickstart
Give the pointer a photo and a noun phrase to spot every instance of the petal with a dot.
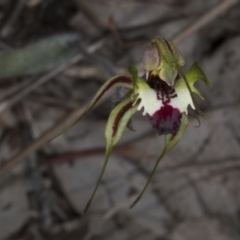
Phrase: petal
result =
(166, 120)
(117, 122)
(149, 102)
(171, 140)
(182, 100)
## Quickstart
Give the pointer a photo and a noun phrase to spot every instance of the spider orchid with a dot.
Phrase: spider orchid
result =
(163, 97)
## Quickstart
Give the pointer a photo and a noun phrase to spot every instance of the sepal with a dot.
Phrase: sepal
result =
(118, 121)
(120, 80)
(123, 80)
(116, 124)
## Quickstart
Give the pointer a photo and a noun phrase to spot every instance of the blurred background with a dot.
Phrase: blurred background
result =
(54, 55)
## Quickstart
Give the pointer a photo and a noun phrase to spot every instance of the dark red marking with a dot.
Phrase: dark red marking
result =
(119, 116)
(167, 120)
(163, 90)
(168, 46)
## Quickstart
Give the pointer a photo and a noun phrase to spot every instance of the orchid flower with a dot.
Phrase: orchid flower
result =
(163, 97)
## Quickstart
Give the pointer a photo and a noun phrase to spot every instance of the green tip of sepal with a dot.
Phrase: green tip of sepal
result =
(181, 61)
(108, 151)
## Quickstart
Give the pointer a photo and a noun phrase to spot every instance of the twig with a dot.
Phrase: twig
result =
(124, 149)
(112, 26)
(204, 20)
(68, 105)
(47, 136)
(199, 197)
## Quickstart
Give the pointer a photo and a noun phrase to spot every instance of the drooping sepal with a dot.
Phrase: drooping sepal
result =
(123, 80)
(116, 124)
(118, 121)
(120, 80)
(171, 140)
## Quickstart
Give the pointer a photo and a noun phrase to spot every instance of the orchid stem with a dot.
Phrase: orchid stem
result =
(149, 179)
(108, 151)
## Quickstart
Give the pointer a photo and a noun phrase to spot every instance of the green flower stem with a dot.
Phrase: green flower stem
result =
(108, 151)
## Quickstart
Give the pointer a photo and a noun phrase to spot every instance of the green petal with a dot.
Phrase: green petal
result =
(171, 140)
(117, 122)
(194, 74)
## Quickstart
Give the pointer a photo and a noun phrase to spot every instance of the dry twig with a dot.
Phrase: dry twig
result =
(204, 20)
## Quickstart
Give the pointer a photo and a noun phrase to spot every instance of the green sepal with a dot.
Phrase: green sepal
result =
(171, 140)
(167, 50)
(171, 59)
(116, 124)
(120, 80)
(195, 73)
(118, 120)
